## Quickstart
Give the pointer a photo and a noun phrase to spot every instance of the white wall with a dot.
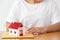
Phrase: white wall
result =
(4, 9)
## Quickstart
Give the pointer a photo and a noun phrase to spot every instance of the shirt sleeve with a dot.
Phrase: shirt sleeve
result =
(55, 13)
(14, 12)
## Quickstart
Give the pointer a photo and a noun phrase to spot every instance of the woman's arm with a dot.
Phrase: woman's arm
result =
(45, 29)
(7, 25)
(53, 27)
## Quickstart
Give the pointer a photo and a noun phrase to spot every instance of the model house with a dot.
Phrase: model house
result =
(16, 29)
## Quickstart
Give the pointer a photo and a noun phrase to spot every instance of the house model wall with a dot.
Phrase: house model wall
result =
(16, 29)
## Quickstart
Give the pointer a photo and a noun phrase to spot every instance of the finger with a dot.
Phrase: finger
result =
(35, 34)
(31, 28)
(27, 32)
(30, 32)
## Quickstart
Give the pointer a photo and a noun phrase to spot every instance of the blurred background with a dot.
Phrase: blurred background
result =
(5, 6)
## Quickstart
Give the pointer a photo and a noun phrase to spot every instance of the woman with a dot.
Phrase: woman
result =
(38, 16)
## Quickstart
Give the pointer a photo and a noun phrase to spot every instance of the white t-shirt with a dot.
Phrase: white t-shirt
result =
(34, 15)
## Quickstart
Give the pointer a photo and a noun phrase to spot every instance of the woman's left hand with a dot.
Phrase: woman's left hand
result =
(36, 30)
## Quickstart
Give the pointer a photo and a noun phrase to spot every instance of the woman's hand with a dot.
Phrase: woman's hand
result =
(49, 28)
(37, 30)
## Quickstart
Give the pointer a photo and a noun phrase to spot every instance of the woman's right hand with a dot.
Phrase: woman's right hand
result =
(33, 30)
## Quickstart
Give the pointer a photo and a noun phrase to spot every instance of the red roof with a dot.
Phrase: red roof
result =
(15, 25)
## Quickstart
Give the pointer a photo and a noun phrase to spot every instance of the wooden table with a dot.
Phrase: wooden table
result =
(7, 36)
(48, 36)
